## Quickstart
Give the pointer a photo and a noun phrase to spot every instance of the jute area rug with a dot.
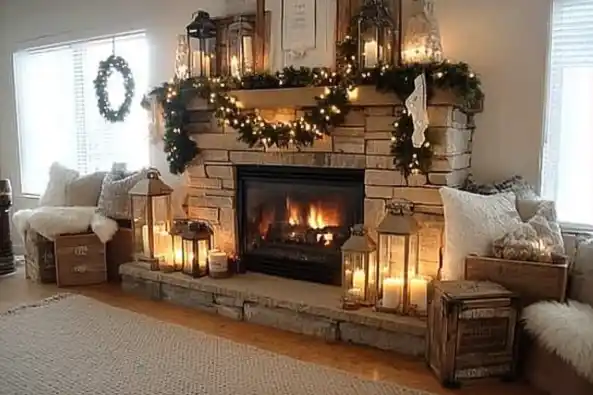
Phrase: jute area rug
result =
(75, 345)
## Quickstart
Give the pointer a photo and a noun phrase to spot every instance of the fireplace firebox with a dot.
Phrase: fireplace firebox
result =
(292, 221)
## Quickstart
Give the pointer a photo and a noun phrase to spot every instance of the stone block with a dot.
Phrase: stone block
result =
(227, 141)
(354, 145)
(385, 340)
(205, 214)
(447, 116)
(204, 183)
(378, 147)
(197, 171)
(449, 141)
(380, 111)
(348, 132)
(278, 114)
(229, 301)
(144, 288)
(233, 313)
(428, 209)
(348, 161)
(419, 195)
(323, 145)
(450, 163)
(188, 297)
(385, 136)
(431, 240)
(453, 179)
(229, 184)
(292, 321)
(374, 211)
(228, 217)
(380, 123)
(380, 162)
(378, 192)
(384, 178)
(224, 172)
(211, 201)
(355, 117)
(417, 180)
(281, 158)
(198, 192)
(211, 155)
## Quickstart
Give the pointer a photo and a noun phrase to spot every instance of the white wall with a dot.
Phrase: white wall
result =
(504, 40)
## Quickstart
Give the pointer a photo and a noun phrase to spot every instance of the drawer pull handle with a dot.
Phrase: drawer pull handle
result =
(79, 269)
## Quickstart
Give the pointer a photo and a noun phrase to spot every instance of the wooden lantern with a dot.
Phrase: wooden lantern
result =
(376, 35)
(150, 202)
(201, 38)
(196, 243)
(399, 285)
(359, 266)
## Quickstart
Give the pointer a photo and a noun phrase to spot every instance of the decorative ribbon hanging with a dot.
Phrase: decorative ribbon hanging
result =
(416, 106)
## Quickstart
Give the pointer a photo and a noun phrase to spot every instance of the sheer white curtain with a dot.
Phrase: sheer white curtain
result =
(57, 113)
(567, 160)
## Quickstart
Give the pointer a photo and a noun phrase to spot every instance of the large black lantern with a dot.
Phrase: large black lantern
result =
(376, 35)
(201, 38)
(196, 244)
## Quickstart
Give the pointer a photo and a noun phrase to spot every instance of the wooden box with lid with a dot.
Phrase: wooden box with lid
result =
(80, 260)
(471, 331)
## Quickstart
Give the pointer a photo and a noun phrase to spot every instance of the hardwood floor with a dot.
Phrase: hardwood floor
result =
(363, 362)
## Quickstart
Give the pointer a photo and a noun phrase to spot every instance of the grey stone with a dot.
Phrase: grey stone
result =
(229, 301)
(291, 321)
(144, 288)
(188, 297)
(382, 339)
(234, 313)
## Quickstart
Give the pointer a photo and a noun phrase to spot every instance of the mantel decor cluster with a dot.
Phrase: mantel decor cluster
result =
(331, 109)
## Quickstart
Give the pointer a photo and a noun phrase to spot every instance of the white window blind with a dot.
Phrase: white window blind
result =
(58, 118)
(567, 160)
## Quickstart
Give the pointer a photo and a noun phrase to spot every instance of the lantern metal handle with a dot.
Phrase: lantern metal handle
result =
(358, 230)
(400, 207)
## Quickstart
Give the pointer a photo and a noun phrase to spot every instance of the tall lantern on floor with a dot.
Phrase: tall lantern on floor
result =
(376, 35)
(240, 46)
(422, 41)
(201, 38)
(150, 203)
(359, 266)
(400, 288)
(196, 243)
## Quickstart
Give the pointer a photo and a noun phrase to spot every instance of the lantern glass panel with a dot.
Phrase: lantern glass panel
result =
(240, 47)
(188, 256)
(376, 46)
(203, 60)
(203, 248)
(177, 252)
(152, 226)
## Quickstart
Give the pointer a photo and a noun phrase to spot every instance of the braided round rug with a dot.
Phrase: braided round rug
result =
(71, 344)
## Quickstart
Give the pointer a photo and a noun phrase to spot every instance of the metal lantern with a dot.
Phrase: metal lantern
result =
(196, 243)
(240, 46)
(150, 202)
(376, 35)
(359, 266)
(201, 38)
(399, 286)
(422, 41)
(179, 227)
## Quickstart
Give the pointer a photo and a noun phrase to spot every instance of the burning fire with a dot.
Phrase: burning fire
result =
(315, 215)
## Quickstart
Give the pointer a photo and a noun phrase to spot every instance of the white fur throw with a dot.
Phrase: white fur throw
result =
(54, 221)
(565, 330)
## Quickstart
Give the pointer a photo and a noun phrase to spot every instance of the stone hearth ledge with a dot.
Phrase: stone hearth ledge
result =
(296, 306)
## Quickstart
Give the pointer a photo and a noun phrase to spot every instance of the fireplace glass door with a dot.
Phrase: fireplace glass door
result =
(293, 220)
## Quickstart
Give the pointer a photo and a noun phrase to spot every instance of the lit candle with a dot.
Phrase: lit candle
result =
(235, 71)
(196, 63)
(371, 54)
(393, 289)
(358, 279)
(145, 244)
(248, 52)
(218, 262)
(418, 293)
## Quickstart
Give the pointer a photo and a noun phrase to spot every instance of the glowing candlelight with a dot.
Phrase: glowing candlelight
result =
(235, 70)
(371, 54)
(393, 289)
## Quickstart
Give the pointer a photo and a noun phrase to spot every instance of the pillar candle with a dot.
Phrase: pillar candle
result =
(393, 289)
(358, 280)
(371, 53)
(418, 293)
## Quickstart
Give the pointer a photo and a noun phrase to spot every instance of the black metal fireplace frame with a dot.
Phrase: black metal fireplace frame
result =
(352, 178)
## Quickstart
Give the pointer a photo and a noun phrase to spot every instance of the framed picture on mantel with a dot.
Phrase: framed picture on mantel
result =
(299, 26)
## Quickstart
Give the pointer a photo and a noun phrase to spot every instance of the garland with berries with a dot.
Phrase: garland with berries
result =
(106, 69)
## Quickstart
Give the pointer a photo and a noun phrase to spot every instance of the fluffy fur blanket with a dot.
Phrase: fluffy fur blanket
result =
(565, 330)
(54, 221)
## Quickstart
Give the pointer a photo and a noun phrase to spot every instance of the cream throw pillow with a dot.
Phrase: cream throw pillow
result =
(472, 223)
(55, 192)
(85, 191)
(114, 201)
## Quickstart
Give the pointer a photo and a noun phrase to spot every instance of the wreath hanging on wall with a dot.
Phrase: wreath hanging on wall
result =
(106, 69)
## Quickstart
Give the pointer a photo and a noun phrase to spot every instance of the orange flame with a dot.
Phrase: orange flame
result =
(315, 215)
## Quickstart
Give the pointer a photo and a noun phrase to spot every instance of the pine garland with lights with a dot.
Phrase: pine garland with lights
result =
(106, 69)
(409, 159)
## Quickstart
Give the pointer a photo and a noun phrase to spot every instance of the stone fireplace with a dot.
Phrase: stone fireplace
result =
(287, 211)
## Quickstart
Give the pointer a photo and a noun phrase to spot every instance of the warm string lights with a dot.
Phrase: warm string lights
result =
(106, 68)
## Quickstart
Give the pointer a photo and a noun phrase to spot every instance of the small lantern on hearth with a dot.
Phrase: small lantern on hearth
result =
(240, 46)
(400, 287)
(359, 266)
(150, 203)
(201, 38)
(376, 34)
(422, 41)
(179, 227)
(196, 243)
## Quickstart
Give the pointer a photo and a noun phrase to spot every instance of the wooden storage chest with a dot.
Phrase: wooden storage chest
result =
(40, 263)
(532, 281)
(471, 331)
(80, 260)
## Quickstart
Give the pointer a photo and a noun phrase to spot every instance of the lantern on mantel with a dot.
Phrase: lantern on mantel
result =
(150, 203)
(359, 266)
(201, 38)
(196, 243)
(240, 46)
(422, 41)
(399, 285)
(376, 34)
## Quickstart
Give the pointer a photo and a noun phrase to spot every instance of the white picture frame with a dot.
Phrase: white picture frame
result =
(299, 27)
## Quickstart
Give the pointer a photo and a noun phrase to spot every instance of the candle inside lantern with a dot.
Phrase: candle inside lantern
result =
(235, 70)
(161, 241)
(248, 52)
(418, 293)
(371, 53)
(358, 280)
(393, 289)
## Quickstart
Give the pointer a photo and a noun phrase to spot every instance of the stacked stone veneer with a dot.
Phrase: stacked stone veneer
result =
(362, 142)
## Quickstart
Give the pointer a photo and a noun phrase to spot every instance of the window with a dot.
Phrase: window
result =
(57, 113)
(567, 160)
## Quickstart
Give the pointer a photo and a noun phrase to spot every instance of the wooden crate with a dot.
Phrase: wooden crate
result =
(532, 281)
(120, 250)
(471, 331)
(40, 263)
(80, 260)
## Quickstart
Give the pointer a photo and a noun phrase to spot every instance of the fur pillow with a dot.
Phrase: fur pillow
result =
(516, 184)
(55, 193)
(85, 191)
(114, 201)
(472, 223)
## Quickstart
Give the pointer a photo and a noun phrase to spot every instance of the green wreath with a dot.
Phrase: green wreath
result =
(106, 68)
